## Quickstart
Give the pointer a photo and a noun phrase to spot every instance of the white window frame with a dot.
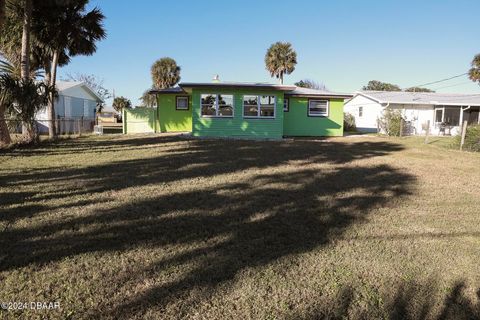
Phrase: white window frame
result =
(326, 115)
(182, 97)
(67, 106)
(86, 106)
(217, 115)
(435, 114)
(259, 111)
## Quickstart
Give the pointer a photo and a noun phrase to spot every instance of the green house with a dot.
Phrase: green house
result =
(243, 110)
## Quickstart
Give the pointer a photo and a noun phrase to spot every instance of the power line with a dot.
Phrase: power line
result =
(453, 85)
(442, 80)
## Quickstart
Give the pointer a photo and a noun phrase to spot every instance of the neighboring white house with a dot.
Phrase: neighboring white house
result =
(445, 111)
(76, 100)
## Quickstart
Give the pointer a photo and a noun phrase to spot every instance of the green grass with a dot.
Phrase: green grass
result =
(161, 227)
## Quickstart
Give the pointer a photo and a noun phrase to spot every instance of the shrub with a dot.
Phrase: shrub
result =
(472, 138)
(349, 122)
(391, 122)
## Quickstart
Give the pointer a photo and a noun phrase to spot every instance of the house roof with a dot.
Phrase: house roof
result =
(289, 89)
(167, 90)
(299, 91)
(423, 98)
(246, 85)
(64, 85)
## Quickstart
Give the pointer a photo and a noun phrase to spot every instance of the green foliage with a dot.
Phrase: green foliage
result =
(165, 73)
(474, 72)
(349, 122)
(391, 122)
(375, 85)
(148, 100)
(311, 84)
(23, 98)
(120, 103)
(280, 59)
(418, 89)
(472, 139)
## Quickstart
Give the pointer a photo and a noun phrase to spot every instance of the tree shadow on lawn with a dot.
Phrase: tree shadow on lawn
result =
(407, 300)
(229, 225)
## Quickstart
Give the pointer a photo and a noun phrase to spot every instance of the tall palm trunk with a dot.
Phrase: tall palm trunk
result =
(28, 128)
(25, 55)
(52, 80)
(4, 133)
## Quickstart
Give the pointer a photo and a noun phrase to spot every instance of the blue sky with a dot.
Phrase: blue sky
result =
(343, 44)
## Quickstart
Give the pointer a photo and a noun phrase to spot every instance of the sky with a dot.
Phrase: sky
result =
(342, 44)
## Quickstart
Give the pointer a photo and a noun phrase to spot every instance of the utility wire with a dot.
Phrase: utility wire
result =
(453, 85)
(443, 80)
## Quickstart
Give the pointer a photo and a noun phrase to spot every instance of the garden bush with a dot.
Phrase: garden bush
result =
(472, 138)
(349, 122)
(391, 122)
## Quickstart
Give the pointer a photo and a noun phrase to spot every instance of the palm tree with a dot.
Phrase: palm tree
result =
(26, 97)
(120, 103)
(66, 30)
(474, 72)
(148, 100)
(165, 73)
(280, 59)
(25, 55)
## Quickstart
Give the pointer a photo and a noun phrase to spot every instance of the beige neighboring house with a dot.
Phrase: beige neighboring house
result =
(445, 111)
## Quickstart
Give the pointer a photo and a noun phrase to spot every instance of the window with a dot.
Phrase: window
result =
(318, 108)
(438, 115)
(250, 106)
(217, 105)
(259, 106)
(182, 103)
(68, 107)
(286, 106)
(360, 112)
(451, 116)
(86, 109)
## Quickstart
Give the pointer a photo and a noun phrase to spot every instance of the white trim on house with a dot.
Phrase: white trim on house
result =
(259, 104)
(321, 114)
(217, 105)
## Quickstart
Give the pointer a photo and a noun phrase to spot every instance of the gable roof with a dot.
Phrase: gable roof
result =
(424, 98)
(65, 85)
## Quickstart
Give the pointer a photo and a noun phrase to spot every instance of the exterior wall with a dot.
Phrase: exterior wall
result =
(371, 112)
(139, 120)
(170, 119)
(417, 116)
(237, 126)
(298, 123)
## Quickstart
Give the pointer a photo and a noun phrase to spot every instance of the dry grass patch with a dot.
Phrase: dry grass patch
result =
(168, 227)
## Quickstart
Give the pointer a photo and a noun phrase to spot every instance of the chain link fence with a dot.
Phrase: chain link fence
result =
(63, 126)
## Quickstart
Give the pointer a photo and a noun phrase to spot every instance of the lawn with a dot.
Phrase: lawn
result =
(163, 227)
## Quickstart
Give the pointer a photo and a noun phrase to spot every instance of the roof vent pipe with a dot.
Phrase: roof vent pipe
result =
(216, 79)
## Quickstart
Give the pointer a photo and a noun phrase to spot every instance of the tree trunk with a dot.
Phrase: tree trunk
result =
(52, 80)
(30, 134)
(25, 55)
(4, 133)
(2, 12)
(281, 77)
